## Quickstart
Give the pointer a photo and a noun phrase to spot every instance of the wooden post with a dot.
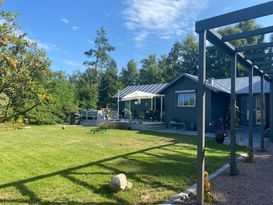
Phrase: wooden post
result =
(262, 112)
(233, 165)
(250, 108)
(201, 99)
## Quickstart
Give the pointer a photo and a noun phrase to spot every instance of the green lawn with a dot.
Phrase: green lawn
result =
(53, 166)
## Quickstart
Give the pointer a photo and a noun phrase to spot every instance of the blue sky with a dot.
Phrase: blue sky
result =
(65, 29)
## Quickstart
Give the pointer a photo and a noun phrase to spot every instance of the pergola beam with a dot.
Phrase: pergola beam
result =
(235, 17)
(254, 47)
(266, 68)
(216, 39)
(247, 34)
(262, 63)
(257, 56)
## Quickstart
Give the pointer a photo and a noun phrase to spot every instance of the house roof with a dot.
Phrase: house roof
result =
(213, 87)
(150, 88)
(218, 85)
(242, 84)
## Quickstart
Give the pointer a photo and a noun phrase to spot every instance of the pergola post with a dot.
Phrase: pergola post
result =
(233, 166)
(250, 109)
(201, 95)
(262, 112)
(271, 108)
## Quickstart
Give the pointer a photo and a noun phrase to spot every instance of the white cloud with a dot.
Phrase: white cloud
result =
(72, 63)
(65, 20)
(46, 46)
(75, 28)
(164, 18)
(42, 45)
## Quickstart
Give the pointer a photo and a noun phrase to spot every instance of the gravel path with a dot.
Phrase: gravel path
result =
(253, 186)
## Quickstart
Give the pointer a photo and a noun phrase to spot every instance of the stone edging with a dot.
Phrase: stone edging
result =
(192, 190)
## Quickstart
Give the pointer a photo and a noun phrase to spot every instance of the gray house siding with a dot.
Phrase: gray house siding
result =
(214, 103)
(243, 109)
(220, 106)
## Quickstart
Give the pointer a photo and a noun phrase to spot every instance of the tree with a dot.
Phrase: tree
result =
(163, 67)
(89, 81)
(129, 75)
(174, 61)
(109, 86)
(24, 71)
(149, 72)
(88, 89)
(62, 104)
(189, 55)
(219, 60)
(99, 55)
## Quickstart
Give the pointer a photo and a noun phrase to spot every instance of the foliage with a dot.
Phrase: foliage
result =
(11, 125)
(24, 71)
(111, 125)
(208, 196)
(129, 75)
(149, 72)
(219, 60)
(93, 85)
(109, 86)
(250, 155)
(62, 104)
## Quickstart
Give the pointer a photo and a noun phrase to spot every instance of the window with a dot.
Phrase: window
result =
(186, 98)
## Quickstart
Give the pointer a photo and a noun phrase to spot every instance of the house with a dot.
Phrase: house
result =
(179, 100)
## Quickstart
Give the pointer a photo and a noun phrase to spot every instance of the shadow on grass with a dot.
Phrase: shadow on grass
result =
(172, 161)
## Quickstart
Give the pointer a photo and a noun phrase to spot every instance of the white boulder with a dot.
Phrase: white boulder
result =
(119, 182)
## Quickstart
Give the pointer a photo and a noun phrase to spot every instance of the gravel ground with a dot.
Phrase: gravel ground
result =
(253, 186)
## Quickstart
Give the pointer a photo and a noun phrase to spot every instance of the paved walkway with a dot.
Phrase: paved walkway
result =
(241, 135)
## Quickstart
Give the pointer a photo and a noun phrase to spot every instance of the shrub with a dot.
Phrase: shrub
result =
(12, 125)
(250, 155)
(208, 196)
(111, 125)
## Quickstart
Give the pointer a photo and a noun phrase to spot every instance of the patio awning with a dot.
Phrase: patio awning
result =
(138, 95)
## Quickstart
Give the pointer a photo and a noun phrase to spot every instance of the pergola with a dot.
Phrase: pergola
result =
(260, 63)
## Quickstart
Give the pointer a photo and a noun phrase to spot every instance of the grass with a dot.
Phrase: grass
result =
(49, 165)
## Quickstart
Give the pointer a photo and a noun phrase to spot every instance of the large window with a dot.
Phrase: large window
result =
(186, 98)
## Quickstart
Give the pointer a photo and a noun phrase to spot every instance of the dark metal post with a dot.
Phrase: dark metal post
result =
(233, 168)
(262, 112)
(250, 109)
(271, 108)
(201, 118)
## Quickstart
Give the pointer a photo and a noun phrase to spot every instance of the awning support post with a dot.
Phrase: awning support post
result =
(161, 108)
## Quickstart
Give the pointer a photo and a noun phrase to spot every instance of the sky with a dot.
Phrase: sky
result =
(65, 29)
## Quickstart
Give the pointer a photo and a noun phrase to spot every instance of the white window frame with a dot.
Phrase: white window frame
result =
(185, 92)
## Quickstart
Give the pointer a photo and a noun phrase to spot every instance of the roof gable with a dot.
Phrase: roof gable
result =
(213, 87)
